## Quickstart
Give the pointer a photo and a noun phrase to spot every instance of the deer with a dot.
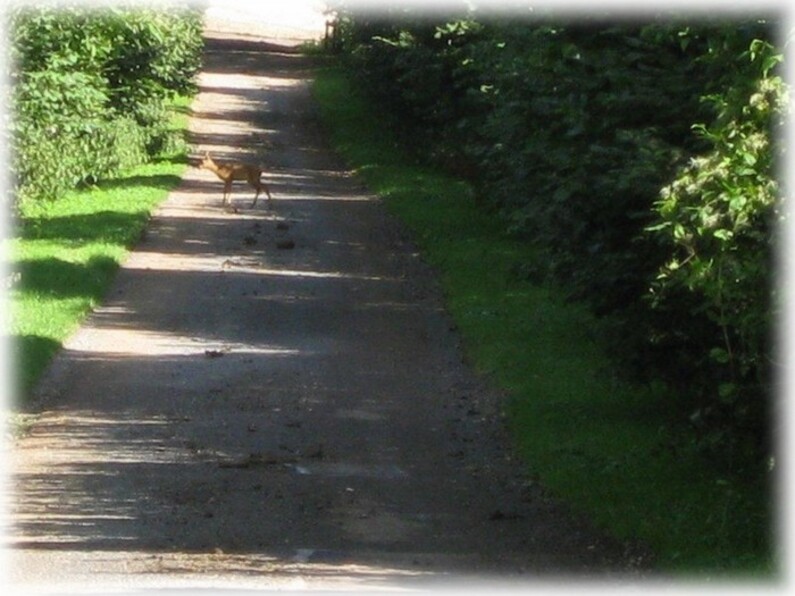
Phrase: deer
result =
(229, 172)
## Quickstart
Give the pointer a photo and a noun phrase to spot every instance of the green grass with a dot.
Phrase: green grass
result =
(67, 251)
(598, 443)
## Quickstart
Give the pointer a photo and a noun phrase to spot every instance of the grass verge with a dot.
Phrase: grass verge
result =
(599, 444)
(64, 254)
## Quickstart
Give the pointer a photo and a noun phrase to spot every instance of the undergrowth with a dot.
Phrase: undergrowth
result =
(595, 441)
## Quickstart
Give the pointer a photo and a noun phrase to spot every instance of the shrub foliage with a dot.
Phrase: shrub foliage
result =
(639, 157)
(89, 87)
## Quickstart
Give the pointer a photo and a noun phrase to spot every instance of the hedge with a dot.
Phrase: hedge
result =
(88, 87)
(639, 158)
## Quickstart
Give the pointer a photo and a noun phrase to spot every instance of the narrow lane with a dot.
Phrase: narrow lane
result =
(276, 398)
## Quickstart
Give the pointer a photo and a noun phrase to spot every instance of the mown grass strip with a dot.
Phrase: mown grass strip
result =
(592, 440)
(66, 252)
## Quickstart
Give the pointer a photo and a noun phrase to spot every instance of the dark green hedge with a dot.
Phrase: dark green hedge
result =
(89, 90)
(639, 157)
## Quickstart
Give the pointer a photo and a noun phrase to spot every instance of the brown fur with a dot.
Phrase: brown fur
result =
(229, 172)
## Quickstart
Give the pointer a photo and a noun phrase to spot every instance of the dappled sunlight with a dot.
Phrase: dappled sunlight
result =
(234, 82)
(87, 500)
(316, 185)
(87, 438)
(341, 574)
(254, 572)
(230, 106)
(346, 198)
(267, 396)
(322, 275)
(208, 262)
(249, 265)
(108, 342)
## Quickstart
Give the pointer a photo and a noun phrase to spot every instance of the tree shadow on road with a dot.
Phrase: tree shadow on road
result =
(276, 393)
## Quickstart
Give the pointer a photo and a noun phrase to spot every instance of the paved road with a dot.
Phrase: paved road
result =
(276, 398)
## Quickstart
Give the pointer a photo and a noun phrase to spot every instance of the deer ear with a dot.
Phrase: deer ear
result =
(207, 154)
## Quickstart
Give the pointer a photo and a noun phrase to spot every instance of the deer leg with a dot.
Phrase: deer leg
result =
(256, 196)
(227, 188)
(267, 192)
(254, 181)
(270, 198)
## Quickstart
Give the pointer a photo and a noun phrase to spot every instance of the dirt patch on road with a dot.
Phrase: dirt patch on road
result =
(277, 397)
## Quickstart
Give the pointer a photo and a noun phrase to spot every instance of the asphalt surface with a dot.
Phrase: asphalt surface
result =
(276, 398)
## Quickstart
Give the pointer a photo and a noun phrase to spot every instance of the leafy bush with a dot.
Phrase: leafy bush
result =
(59, 116)
(570, 130)
(720, 218)
(88, 91)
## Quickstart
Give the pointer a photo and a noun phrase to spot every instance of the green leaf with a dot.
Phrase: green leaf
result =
(727, 392)
(749, 158)
(719, 355)
(658, 227)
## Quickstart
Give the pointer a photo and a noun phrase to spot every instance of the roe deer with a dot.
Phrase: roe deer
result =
(237, 171)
